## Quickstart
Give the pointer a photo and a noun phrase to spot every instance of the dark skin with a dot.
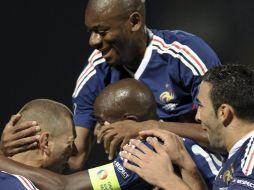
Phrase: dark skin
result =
(118, 31)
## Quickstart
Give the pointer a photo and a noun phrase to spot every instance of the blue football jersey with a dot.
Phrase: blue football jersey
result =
(237, 171)
(206, 162)
(128, 179)
(15, 182)
(172, 67)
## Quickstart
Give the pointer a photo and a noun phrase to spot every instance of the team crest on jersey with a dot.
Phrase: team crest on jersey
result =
(167, 97)
(228, 175)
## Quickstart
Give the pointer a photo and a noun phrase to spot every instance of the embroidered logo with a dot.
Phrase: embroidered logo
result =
(167, 97)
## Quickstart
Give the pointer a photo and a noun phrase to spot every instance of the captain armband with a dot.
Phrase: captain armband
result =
(104, 178)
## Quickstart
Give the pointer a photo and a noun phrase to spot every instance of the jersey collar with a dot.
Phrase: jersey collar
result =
(239, 143)
(146, 57)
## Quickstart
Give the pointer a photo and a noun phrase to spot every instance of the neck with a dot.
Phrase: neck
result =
(237, 132)
(134, 64)
(30, 158)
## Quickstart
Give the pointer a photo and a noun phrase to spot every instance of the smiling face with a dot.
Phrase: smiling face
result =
(208, 117)
(114, 31)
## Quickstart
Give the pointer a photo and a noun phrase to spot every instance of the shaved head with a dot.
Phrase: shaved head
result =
(120, 6)
(50, 115)
(56, 138)
(125, 99)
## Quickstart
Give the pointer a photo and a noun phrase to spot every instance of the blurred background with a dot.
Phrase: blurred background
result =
(45, 44)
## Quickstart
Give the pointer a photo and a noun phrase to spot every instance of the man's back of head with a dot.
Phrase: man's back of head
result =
(55, 138)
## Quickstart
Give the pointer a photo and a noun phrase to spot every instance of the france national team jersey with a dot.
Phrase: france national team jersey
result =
(237, 172)
(207, 164)
(15, 182)
(172, 67)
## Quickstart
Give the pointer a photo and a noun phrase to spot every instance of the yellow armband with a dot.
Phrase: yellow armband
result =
(104, 178)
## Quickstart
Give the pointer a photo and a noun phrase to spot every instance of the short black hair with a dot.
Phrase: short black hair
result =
(233, 84)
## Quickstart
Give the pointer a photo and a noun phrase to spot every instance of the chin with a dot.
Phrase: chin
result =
(112, 62)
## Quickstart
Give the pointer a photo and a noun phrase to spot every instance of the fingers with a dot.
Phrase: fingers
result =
(155, 144)
(27, 124)
(13, 151)
(135, 145)
(130, 156)
(107, 140)
(97, 128)
(125, 141)
(19, 137)
(25, 132)
(102, 131)
(113, 146)
(132, 167)
(14, 119)
(23, 142)
(162, 134)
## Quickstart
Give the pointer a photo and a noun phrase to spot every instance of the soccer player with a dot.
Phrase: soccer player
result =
(56, 141)
(226, 112)
(126, 99)
(170, 63)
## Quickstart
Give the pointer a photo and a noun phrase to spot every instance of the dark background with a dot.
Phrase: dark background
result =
(44, 42)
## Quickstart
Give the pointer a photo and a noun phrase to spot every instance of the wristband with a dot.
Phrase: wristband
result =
(104, 178)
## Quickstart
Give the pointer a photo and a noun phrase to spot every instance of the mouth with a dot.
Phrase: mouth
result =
(204, 127)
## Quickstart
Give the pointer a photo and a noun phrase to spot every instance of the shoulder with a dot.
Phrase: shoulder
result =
(96, 66)
(12, 181)
(192, 51)
(180, 36)
(183, 40)
(245, 163)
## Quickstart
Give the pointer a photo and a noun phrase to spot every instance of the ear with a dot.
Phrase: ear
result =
(43, 143)
(225, 114)
(136, 21)
(131, 117)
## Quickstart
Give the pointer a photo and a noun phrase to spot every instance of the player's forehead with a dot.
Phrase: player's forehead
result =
(102, 14)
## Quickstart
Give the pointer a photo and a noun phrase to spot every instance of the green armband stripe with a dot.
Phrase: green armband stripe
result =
(104, 178)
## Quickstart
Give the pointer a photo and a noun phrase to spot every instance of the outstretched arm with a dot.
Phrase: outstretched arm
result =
(46, 180)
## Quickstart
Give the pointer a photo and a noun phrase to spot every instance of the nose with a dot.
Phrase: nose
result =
(95, 40)
(197, 117)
